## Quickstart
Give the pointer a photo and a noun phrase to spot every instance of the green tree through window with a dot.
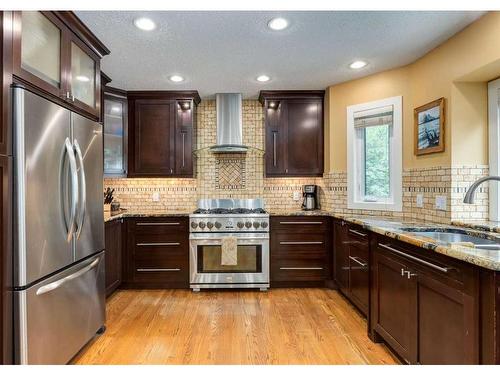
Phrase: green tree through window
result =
(377, 167)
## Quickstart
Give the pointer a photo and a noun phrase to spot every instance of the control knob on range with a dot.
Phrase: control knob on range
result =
(256, 224)
(202, 224)
(210, 225)
(194, 225)
(248, 224)
(218, 225)
(240, 224)
(263, 224)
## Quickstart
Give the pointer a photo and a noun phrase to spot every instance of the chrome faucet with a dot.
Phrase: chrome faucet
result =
(469, 196)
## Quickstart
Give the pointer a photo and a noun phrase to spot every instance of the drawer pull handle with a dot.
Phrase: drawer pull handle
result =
(158, 244)
(354, 259)
(151, 224)
(158, 269)
(301, 222)
(358, 233)
(301, 243)
(300, 268)
(418, 260)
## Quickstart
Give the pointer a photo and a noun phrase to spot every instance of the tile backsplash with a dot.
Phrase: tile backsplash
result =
(242, 176)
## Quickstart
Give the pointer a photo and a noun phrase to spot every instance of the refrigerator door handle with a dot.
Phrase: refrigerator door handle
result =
(58, 283)
(74, 188)
(83, 190)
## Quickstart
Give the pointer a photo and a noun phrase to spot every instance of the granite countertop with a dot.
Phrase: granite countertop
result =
(491, 226)
(146, 213)
(393, 228)
(390, 227)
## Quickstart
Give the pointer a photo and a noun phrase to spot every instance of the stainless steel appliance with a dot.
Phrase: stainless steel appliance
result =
(311, 197)
(215, 219)
(59, 301)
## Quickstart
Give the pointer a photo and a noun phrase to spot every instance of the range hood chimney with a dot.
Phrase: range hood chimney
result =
(229, 124)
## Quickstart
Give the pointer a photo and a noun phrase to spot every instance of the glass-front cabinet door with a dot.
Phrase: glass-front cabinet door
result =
(38, 56)
(49, 55)
(84, 77)
(115, 136)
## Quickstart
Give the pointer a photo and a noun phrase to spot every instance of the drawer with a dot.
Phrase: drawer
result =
(298, 270)
(173, 277)
(161, 225)
(458, 274)
(164, 239)
(358, 236)
(161, 258)
(310, 245)
(302, 224)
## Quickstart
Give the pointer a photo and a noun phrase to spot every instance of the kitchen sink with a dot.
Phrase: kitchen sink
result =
(455, 236)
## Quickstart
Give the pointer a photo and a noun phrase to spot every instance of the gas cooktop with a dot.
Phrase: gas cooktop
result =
(229, 211)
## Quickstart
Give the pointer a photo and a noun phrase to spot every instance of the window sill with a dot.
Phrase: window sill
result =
(375, 206)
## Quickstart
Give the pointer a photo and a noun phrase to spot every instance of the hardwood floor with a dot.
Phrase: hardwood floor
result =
(281, 326)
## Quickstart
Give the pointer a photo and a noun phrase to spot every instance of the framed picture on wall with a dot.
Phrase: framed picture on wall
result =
(429, 128)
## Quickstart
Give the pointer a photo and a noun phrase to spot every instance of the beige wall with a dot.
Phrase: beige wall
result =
(457, 70)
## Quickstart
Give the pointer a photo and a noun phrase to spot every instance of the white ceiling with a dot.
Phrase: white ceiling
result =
(225, 51)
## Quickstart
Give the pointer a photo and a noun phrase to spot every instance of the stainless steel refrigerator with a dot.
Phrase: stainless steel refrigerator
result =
(59, 302)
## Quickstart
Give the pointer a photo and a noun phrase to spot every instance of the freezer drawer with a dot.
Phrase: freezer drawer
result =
(58, 316)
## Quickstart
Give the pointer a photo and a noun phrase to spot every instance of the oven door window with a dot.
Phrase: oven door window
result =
(249, 259)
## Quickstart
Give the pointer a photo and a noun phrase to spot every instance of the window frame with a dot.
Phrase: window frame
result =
(354, 173)
(493, 145)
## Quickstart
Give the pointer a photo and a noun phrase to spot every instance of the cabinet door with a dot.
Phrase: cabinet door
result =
(113, 255)
(275, 139)
(358, 277)
(153, 138)
(183, 154)
(341, 257)
(38, 44)
(395, 315)
(304, 137)
(115, 136)
(84, 81)
(447, 333)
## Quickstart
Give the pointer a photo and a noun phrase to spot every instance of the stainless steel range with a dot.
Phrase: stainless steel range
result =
(216, 219)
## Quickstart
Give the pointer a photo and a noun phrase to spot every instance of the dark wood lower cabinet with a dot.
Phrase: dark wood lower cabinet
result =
(393, 307)
(351, 263)
(157, 253)
(300, 251)
(113, 255)
(424, 306)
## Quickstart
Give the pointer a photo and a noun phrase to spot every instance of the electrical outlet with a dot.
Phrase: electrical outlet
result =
(296, 195)
(420, 200)
(440, 202)
(156, 196)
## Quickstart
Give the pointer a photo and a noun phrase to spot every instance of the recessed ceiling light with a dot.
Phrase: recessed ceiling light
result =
(278, 23)
(145, 24)
(263, 78)
(82, 78)
(176, 78)
(358, 64)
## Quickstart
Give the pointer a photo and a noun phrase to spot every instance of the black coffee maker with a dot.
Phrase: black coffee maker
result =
(311, 197)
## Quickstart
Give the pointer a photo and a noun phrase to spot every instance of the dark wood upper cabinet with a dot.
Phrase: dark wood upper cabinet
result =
(294, 133)
(161, 130)
(115, 121)
(56, 53)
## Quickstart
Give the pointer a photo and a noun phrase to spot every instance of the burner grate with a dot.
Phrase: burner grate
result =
(226, 211)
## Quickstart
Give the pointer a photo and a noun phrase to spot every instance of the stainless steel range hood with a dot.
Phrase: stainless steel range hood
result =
(229, 124)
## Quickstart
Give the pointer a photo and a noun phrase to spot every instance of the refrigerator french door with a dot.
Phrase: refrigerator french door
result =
(59, 301)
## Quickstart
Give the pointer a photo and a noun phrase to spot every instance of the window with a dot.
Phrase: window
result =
(494, 145)
(374, 159)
